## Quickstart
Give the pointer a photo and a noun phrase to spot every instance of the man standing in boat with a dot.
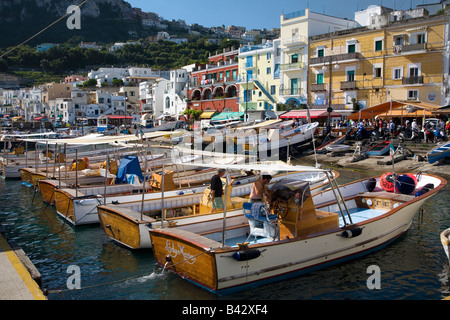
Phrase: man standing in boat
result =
(259, 189)
(217, 190)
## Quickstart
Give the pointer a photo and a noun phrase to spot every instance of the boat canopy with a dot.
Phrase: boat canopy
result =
(128, 165)
(314, 114)
(96, 138)
(387, 106)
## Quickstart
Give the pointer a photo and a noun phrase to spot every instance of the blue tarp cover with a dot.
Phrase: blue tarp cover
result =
(128, 165)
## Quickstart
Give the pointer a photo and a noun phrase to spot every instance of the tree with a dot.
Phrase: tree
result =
(90, 83)
(194, 113)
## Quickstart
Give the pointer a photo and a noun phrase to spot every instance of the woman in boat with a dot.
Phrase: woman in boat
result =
(217, 190)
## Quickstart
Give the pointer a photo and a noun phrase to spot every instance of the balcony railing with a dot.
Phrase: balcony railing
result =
(412, 80)
(292, 66)
(336, 58)
(348, 85)
(409, 47)
(291, 91)
(318, 87)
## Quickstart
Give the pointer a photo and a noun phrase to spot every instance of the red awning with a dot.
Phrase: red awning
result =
(38, 118)
(295, 114)
(120, 117)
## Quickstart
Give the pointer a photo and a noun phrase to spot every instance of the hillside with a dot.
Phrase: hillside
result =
(104, 21)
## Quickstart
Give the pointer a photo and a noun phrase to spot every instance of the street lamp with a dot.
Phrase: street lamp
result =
(330, 109)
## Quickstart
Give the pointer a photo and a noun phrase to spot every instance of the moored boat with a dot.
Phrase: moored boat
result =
(379, 149)
(445, 240)
(439, 152)
(113, 218)
(301, 234)
(328, 143)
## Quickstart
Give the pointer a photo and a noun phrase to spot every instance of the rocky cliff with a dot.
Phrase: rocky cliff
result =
(101, 20)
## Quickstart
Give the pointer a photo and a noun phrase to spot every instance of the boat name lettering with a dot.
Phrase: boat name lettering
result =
(174, 252)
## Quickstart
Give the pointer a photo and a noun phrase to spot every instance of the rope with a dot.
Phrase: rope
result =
(46, 292)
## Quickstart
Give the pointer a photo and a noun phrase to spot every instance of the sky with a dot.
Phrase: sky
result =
(260, 13)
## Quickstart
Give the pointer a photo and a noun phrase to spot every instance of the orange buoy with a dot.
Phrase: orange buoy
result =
(387, 181)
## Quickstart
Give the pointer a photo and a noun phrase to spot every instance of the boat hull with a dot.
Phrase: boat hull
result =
(439, 152)
(379, 149)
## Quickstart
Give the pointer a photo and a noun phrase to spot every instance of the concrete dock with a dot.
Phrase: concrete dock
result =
(16, 281)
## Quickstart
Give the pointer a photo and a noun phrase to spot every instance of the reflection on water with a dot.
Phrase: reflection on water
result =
(414, 267)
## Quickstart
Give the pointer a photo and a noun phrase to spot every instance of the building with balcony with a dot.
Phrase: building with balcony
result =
(389, 58)
(296, 28)
(259, 79)
(214, 86)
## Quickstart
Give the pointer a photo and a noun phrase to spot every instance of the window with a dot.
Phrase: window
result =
(397, 73)
(294, 58)
(421, 38)
(320, 52)
(399, 40)
(234, 74)
(413, 94)
(413, 70)
(249, 63)
(378, 45)
(351, 48)
(269, 56)
(377, 72)
(269, 70)
(273, 90)
(351, 75)
(319, 78)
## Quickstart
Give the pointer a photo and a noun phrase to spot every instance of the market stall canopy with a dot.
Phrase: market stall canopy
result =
(386, 107)
(228, 116)
(296, 114)
(207, 114)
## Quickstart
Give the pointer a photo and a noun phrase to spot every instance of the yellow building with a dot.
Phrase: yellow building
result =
(259, 77)
(392, 58)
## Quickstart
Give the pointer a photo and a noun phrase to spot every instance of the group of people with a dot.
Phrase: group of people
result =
(383, 127)
(258, 191)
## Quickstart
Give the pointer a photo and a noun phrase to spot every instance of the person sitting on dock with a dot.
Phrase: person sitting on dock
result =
(217, 191)
(259, 189)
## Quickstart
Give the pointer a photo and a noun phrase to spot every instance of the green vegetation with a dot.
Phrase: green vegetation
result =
(68, 57)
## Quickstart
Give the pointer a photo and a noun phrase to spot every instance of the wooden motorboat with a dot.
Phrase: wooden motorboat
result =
(113, 218)
(439, 152)
(297, 234)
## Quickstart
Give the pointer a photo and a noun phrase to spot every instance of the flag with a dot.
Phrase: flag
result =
(391, 150)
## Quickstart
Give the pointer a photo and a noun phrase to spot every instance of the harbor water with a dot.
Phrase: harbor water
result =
(412, 267)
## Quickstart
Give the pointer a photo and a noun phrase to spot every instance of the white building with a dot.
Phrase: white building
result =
(108, 75)
(295, 29)
(175, 93)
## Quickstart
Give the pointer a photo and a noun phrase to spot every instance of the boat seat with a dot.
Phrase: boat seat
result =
(261, 222)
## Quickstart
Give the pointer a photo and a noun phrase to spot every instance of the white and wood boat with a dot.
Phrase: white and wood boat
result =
(328, 143)
(301, 234)
(439, 152)
(445, 240)
(338, 148)
(129, 227)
